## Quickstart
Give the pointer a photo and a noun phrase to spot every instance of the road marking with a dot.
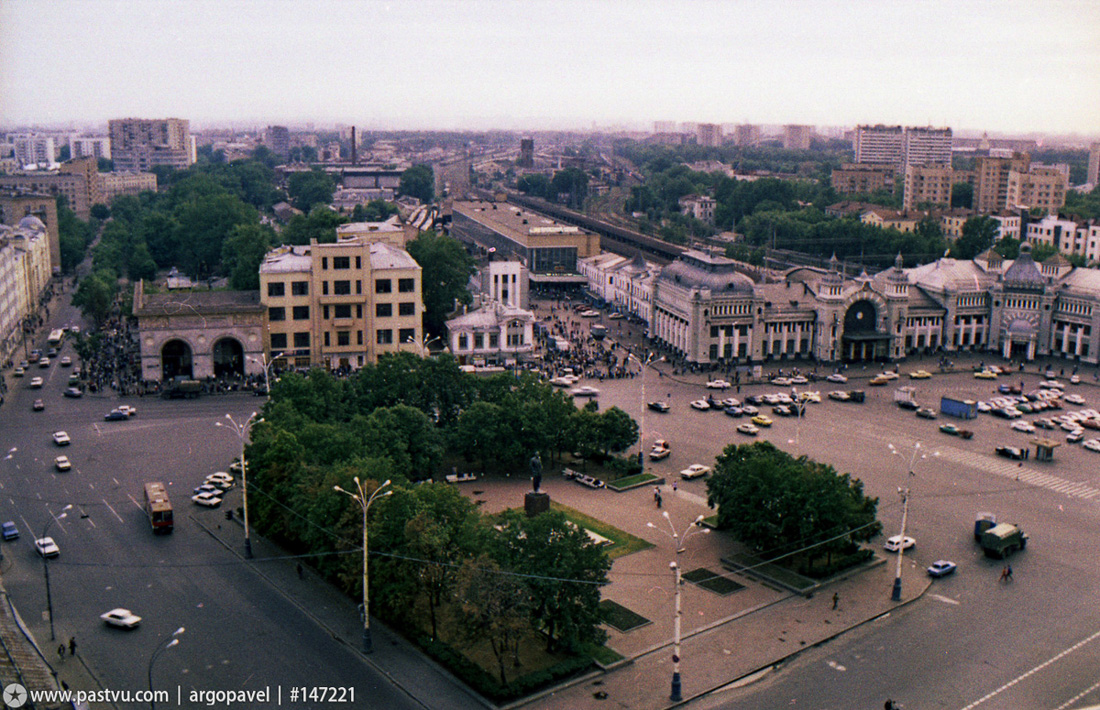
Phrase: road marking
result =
(945, 600)
(1034, 670)
(134, 501)
(1073, 701)
(113, 510)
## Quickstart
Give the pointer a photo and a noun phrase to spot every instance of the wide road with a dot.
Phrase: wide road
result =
(971, 641)
(240, 633)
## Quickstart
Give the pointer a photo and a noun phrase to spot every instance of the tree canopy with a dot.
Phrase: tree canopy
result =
(419, 182)
(446, 271)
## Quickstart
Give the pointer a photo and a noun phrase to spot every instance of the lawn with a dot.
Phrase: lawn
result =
(620, 618)
(622, 543)
(622, 484)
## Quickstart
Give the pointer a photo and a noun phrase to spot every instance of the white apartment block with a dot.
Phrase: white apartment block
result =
(33, 149)
(90, 146)
(927, 146)
(1008, 225)
(24, 273)
(701, 207)
(1068, 236)
(902, 147)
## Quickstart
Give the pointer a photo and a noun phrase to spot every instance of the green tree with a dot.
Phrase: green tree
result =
(493, 607)
(95, 296)
(204, 223)
(100, 211)
(1043, 251)
(319, 224)
(779, 505)
(446, 270)
(962, 195)
(978, 234)
(74, 236)
(1008, 247)
(141, 264)
(373, 211)
(573, 184)
(242, 254)
(309, 189)
(419, 182)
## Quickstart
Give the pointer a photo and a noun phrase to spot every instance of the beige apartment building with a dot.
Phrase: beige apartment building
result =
(139, 144)
(991, 181)
(340, 305)
(1041, 187)
(858, 179)
(929, 184)
(124, 183)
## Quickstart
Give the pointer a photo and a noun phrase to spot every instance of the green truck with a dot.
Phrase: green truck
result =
(181, 388)
(1002, 540)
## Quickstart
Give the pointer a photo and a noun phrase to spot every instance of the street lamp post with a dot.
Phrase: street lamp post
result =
(165, 644)
(641, 434)
(680, 539)
(895, 594)
(46, 568)
(241, 430)
(364, 502)
(266, 364)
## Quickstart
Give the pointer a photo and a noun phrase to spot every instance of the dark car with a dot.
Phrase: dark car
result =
(9, 531)
(116, 415)
(38, 405)
(734, 412)
(926, 413)
(74, 392)
(1009, 452)
(658, 406)
(908, 404)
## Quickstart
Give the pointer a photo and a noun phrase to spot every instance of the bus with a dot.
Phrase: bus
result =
(158, 507)
(56, 336)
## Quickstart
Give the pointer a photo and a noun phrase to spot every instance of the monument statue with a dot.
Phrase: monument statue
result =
(536, 471)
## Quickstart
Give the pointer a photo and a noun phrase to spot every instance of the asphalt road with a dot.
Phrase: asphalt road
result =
(239, 632)
(971, 636)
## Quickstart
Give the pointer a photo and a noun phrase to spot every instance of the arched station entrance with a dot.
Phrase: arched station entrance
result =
(228, 358)
(862, 341)
(176, 360)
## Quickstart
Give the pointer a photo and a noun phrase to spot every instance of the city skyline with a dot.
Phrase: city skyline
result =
(1016, 67)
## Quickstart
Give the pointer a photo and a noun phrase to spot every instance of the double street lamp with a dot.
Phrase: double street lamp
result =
(641, 434)
(241, 429)
(360, 496)
(165, 644)
(46, 565)
(680, 539)
(895, 594)
(266, 364)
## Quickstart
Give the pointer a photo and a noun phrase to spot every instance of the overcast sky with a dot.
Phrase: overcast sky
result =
(999, 65)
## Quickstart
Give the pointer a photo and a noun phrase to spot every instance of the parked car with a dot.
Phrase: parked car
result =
(781, 381)
(658, 406)
(762, 420)
(1092, 445)
(1075, 436)
(206, 487)
(747, 428)
(208, 499)
(121, 618)
(695, 470)
(1025, 427)
(9, 531)
(941, 568)
(750, 410)
(956, 431)
(896, 543)
(1009, 452)
(221, 479)
(799, 380)
(700, 404)
(926, 413)
(734, 412)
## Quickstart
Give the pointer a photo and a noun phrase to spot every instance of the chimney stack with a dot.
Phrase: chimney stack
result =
(354, 148)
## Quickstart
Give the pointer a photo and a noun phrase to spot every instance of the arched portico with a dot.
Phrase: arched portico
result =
(176, 359)
(862, 340)
(228, 357)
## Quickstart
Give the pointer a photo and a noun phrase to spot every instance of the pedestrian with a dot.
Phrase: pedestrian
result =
(61, 652)
(1004, 574)
(1008, 570)
(658, 499)
(72, 645)
(674, 486)
(836, 600)
(301, 572)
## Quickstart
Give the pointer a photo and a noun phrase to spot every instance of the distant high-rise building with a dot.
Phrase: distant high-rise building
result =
(797, 137)
(1093, 176)
(140, 144)
(526, 153)
(90, 146)
(664, 126)
(927, 146)
(709, 135)
(33, 149)
(747, 134)
(854, 179)
(880, 145)
(991, 181)
(277, 139)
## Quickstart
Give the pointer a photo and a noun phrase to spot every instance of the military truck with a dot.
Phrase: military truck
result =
(982, 522)
(181, 388)
(1002, 540)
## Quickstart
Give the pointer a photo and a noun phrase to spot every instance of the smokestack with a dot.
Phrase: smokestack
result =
(354, 151)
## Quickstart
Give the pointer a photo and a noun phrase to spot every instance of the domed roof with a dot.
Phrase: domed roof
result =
(698, 270)
(31, 222)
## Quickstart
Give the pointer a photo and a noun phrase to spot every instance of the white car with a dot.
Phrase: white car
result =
(718, 385)
(659, 452)
(584, 391)
(700, 404)
(66, 361)
(781, 381)
(122, 618)
(837, 377)
(1026, 427)
(889, 374)
(47, 547)
(36, 382)
(695, 470)
(590, 314)
(1092, 445)
(749, 429)
(1075, 380)
(1073, 398)
(750, 410)
(62, 463)
(799, 380)
(208, 499)
(61, 438)
(221, 479)
(564, 380)
(1074, 436)
(126, 409)
(730, 402)
(896, 543)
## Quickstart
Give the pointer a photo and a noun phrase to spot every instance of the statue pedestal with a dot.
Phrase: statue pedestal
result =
(535, 502)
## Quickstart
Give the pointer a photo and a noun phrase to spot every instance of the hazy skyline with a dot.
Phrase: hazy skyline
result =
(1010, 66)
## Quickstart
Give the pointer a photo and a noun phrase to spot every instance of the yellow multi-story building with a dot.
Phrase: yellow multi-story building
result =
(1041, 187)
(340, 305)
(929, 184)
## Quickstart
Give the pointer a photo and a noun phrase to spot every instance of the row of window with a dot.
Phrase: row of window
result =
(383, 336)
(342, 310)
(277, 289)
